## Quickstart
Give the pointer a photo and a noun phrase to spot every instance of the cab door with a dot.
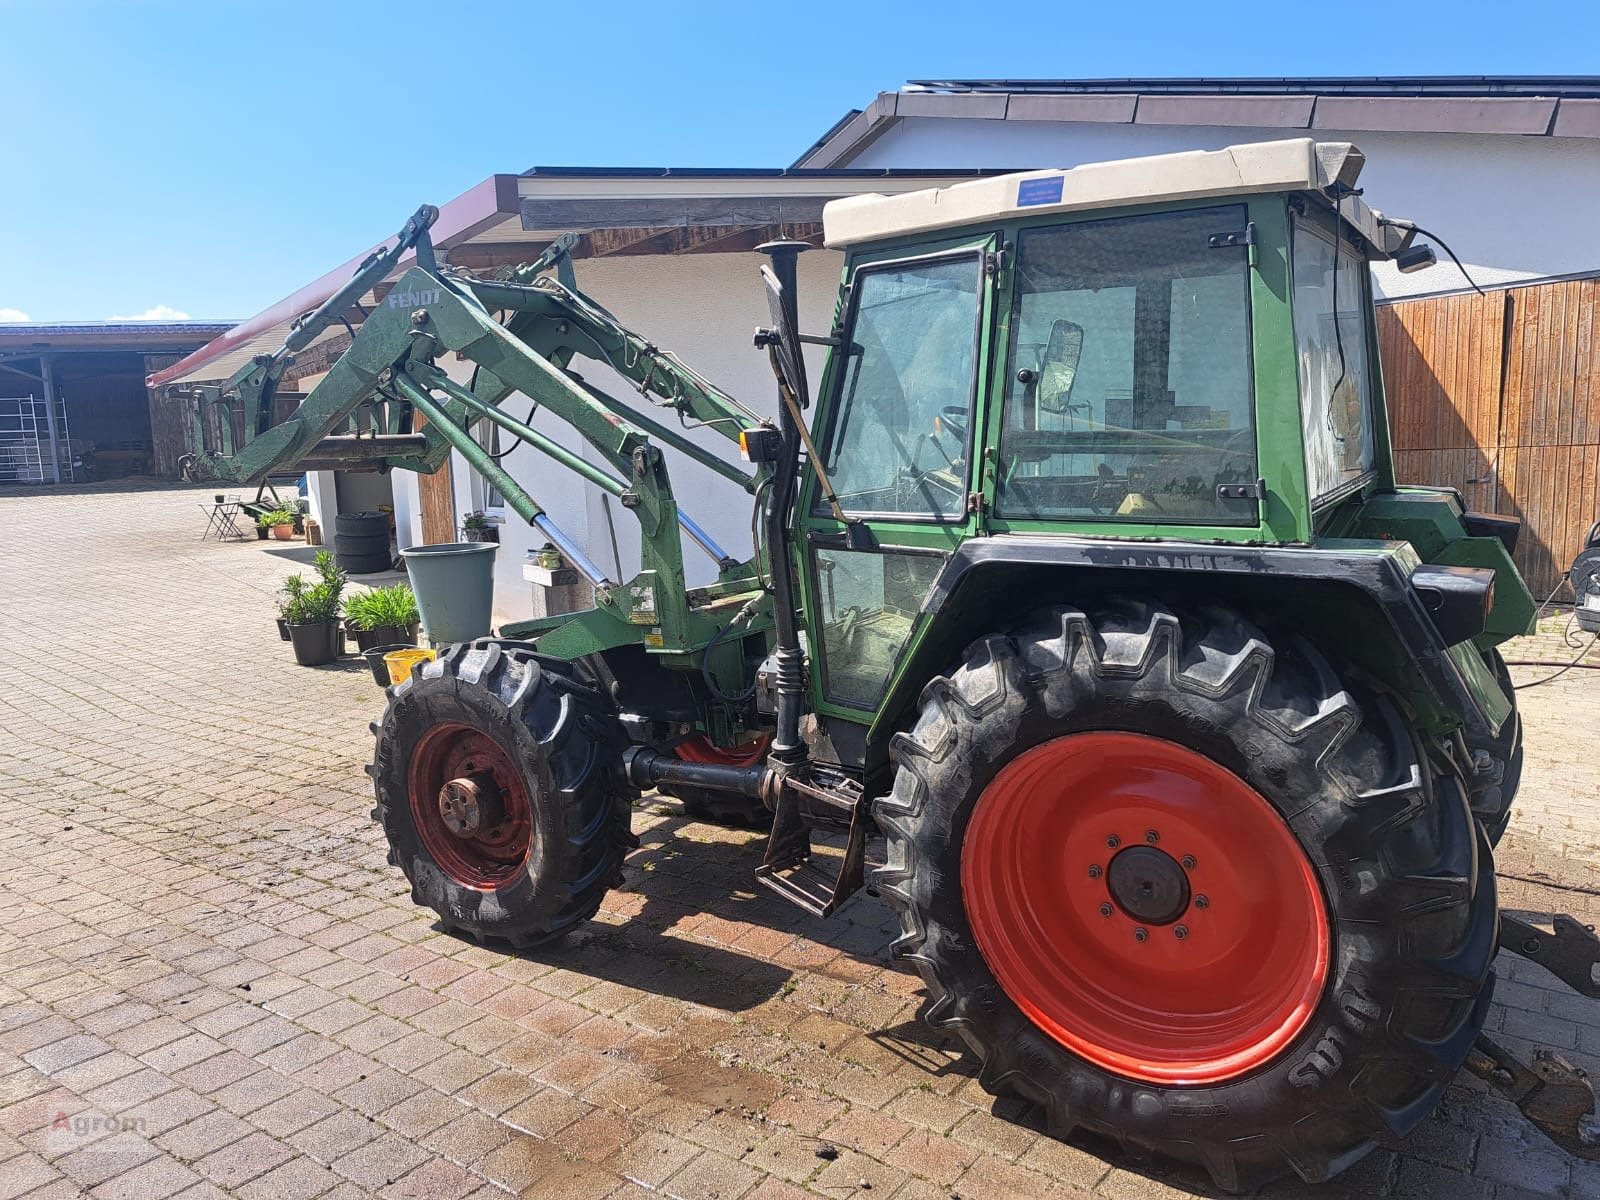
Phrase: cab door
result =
(900, 417)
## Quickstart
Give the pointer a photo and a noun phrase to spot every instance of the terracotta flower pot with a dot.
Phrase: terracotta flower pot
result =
(283, 532)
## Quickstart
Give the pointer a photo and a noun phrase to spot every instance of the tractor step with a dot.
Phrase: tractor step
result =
(1553, 1094)
(788, 868)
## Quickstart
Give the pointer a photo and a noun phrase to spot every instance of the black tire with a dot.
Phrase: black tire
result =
(1496, 772)
(1404, 876)
(568, 744)
(361, 542)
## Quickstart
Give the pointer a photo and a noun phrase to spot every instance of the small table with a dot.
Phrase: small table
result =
(222, 520)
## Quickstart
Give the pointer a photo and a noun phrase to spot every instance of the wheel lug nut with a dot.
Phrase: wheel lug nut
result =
(1140, 935)
(1094, 872)
(1202, 902)
(1181, 932)
(1105, 910)
(1188, 862)
(1151, 836)
(1113, 841)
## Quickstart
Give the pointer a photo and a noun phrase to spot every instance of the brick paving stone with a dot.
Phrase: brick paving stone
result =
(23, 1173)
(241, 1161)
(159, 1176)
(437, 1179)
(224, 962)
(381, 1161)
(713, 1177)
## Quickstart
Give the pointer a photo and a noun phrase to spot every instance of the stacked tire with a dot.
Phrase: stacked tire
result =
(361, 542)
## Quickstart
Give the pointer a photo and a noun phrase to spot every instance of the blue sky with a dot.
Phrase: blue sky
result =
(209, 158)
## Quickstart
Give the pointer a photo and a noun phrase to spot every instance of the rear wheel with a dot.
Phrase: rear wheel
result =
(1213, 903)
(1497, 766)
(496, 785)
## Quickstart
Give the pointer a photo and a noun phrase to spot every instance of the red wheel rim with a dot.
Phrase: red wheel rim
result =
(1234, 950)
(489, 852)
(699, 749)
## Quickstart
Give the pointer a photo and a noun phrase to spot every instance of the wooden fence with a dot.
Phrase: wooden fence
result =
(1499, 395)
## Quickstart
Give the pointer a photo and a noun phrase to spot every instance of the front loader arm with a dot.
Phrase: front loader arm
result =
(363, 413)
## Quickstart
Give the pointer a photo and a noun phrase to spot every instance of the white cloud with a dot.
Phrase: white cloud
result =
(12, 314)
(160, 312)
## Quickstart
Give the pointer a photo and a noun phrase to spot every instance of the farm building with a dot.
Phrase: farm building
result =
(73, 405)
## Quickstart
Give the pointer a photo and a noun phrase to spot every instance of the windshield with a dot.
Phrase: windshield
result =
(900, 437)
(1128, 396)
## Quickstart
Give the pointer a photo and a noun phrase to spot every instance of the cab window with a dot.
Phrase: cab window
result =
(1335, 377)
(1128, 393)
(900, 440)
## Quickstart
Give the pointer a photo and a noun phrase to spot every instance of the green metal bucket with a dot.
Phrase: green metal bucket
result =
(454, 583)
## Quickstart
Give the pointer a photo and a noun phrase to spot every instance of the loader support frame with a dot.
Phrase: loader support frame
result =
(362, 415)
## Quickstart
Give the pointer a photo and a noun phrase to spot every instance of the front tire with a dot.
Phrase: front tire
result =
(1209, 718)
(496, 780)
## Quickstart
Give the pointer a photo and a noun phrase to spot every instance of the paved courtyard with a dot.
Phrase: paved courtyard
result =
(211, 983)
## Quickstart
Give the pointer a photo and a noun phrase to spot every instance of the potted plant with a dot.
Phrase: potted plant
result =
(384, 616)
(477, 527)
(280, 521)
(310, 612)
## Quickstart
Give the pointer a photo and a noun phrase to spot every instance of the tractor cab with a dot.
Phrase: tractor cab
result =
(1179, 348)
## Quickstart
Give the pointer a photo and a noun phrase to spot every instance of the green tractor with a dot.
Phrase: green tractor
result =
(1088, 586)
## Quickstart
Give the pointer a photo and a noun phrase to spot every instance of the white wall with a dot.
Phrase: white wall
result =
(702, 307)
(1511, 207)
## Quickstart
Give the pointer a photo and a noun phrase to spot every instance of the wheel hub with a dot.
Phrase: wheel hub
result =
(1148, 885)
(471, 804)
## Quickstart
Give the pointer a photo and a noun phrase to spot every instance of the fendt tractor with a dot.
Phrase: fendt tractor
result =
(1088, 587)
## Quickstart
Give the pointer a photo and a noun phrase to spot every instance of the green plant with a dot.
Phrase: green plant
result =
(306, 603)
(278, 516)
(382, 608)
(475, 520)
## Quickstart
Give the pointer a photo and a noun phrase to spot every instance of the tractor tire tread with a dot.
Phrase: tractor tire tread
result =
(568, 740)
(1404, 871)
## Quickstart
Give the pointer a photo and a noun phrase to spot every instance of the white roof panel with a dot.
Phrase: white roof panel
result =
(1291, 165)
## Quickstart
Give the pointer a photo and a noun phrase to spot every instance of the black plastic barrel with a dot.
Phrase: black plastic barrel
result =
(361, 542)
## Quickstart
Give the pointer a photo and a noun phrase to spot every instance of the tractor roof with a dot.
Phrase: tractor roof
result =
(1291, 165)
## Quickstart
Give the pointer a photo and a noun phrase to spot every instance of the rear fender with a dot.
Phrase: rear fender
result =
(1353, 599)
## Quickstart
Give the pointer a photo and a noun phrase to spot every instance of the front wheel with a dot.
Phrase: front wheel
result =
(497, 784)
(1212, 902)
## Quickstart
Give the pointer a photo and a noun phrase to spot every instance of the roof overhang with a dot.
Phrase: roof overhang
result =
(27, 339)
(1563, 107)
(509, 219)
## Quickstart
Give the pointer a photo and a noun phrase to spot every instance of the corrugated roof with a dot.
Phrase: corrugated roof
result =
(101, 328)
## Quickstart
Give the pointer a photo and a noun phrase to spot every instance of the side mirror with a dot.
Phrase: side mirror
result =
(1058, 370)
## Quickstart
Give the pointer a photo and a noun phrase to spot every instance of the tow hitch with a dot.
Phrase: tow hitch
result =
(1552, 1093)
